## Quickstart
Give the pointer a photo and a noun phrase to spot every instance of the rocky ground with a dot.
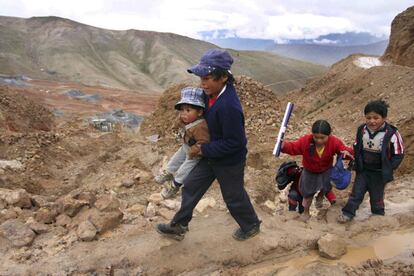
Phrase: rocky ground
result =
(78, 201)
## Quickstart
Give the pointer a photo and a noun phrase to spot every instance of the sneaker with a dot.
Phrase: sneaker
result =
(164, 177)
(170, 190)
(175, 232)
(344, 218)
(240, 235)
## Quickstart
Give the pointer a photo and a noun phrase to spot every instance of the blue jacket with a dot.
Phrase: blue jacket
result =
(225, 121)
(389, 160)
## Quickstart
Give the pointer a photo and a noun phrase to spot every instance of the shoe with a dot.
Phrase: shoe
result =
(170, 190)
(343, 218)
(240, 235)
(164, 177)
(175, 232)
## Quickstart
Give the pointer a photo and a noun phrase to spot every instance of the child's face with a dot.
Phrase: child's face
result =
(374, 120)
(320, 139)
(211, 86)
(189, 114)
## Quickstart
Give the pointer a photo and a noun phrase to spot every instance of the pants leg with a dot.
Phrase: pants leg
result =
(177, 159)
(231, 180)
(376, 188)
(184, 170)
(195, 186)
(357, 196)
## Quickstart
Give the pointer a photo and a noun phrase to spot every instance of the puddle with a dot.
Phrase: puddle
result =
(383, 248)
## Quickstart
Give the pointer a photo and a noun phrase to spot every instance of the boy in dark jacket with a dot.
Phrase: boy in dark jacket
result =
(224, 157)
(378, 152)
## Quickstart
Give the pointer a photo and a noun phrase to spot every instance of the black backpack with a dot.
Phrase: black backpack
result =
(282, 177)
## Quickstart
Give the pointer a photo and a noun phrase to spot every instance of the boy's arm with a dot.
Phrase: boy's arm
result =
(396, 150)
(294, 147)
(201, 136)
(233, 135)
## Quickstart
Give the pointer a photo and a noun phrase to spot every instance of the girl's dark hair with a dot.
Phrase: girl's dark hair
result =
(218, 73)
(378, 106)
(321, 127)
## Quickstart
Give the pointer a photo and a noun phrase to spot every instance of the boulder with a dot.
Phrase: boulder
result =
(86, 231)
(269, 206)
(171, 204)
(331, 247)
(18, 233)
(205, 203)
(102, 221)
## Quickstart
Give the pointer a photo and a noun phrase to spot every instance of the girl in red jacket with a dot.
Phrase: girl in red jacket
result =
(318, 150)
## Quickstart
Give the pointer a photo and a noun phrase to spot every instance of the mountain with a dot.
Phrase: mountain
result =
(60, 49)
(326, 54)
(325, 49)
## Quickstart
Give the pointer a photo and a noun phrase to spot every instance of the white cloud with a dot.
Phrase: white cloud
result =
(281, 19)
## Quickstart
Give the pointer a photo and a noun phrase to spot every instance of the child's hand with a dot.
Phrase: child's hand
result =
(346, 154)
(195, 150)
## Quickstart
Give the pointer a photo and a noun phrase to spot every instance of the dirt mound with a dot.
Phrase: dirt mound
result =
(19, 113)
(400, 49)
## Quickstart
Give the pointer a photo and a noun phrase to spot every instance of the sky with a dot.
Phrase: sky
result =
(278, 20)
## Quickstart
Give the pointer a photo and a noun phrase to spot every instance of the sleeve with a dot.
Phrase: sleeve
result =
(340, 146)
(396, 150)
(201, 134)
(233, 135)
(294, 147)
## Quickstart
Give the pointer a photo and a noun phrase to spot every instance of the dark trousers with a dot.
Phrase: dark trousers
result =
(231, 180)
(371, 182)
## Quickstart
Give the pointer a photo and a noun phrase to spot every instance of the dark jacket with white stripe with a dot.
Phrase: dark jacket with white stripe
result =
(392, 153)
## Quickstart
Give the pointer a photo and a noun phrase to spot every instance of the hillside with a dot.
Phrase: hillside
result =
(60, 49)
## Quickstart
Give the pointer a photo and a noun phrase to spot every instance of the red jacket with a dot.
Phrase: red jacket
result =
(314, 163)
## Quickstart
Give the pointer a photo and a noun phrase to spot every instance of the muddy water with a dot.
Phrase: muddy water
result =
(383, 248)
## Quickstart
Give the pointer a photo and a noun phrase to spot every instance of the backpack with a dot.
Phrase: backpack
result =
(284, 175)
(340, 175)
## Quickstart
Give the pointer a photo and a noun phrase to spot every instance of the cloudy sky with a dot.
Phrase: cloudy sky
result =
(278, 19)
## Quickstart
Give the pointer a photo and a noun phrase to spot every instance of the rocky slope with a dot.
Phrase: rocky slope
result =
(400, 49)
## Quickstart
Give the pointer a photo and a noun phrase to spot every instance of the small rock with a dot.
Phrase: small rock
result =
(45, 215)
(151, 210)
(171, 204)
(11, 164)
(107, 202)
(19, 198)
(37, 227)
(63, 220)
(86, 231)
(155, 198)
(166, 213)
(205, 203)
(136, 209)
(128, 183)
(331, 247)
(269, 206)
(70, 206)
(18, 233)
